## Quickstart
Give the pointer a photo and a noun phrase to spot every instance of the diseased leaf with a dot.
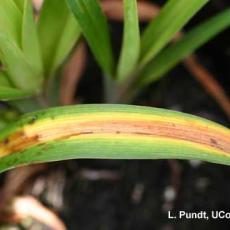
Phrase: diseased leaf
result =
(131, 41)
(111, 132)
(174, 15)
(95, 29)
(191, 41)
(58, 33)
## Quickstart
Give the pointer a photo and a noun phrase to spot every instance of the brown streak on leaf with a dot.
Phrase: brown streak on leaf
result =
(17, 141)
(67, 129)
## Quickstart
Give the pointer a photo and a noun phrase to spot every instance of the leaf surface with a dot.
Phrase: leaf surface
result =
(191, 41)
(112, 132)
(95, 29)
(21, 73)
(10, 20)
(173, 16)
(131, 41)
(58, 32)
(30, 42)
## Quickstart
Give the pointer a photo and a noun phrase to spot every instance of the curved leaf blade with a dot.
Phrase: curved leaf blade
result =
(4, 80)
(30, 42)
(114, 132)
(71, 35)
(9, 93)
(176, 52)
(20, 4)
(131, 41)
(19, 70)
(58, 32)
(174, 15)
(95, 29)
(10, 20)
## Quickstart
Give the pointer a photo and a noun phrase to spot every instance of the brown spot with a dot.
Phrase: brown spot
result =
(74, 134)
(18, 142)
(6, 141)
(89, 132)
(142, 133)
(32, 120)
(213, 141)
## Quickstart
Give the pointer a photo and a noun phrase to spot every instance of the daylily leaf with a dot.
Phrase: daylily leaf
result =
(131, 41)
(71, 34)
(22, 75)
(10, 20)
(58, 32)
(95, 29)
(191, 41)
(173, 16)
(20, 4)
(111, 132)
(4, 80)
(30, 43)
(9, 93)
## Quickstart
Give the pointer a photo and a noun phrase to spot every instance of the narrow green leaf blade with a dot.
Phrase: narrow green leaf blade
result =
(70, 36)
(174, 15)
(191, 41)
(58, 33)
(9, 93)
(22, 75)
(95, 29)
(10, 20)
(20, 4)
(131, 41)
(4, 80)
(30, 43)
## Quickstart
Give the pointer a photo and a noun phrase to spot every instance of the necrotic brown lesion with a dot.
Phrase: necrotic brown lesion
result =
(21, 139)
(17, 142)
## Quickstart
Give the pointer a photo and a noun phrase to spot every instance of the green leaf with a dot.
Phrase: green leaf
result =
(95, 29)
(174, 15)
(58, 32)
(7, 116)
(71, 35)
(131, 41)
(111, 132)
(4, 80)
(3, 123)
(30, 43)
(10, 20)
(20, 4)
(22, 75)
(191, 41)
(9, 93)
